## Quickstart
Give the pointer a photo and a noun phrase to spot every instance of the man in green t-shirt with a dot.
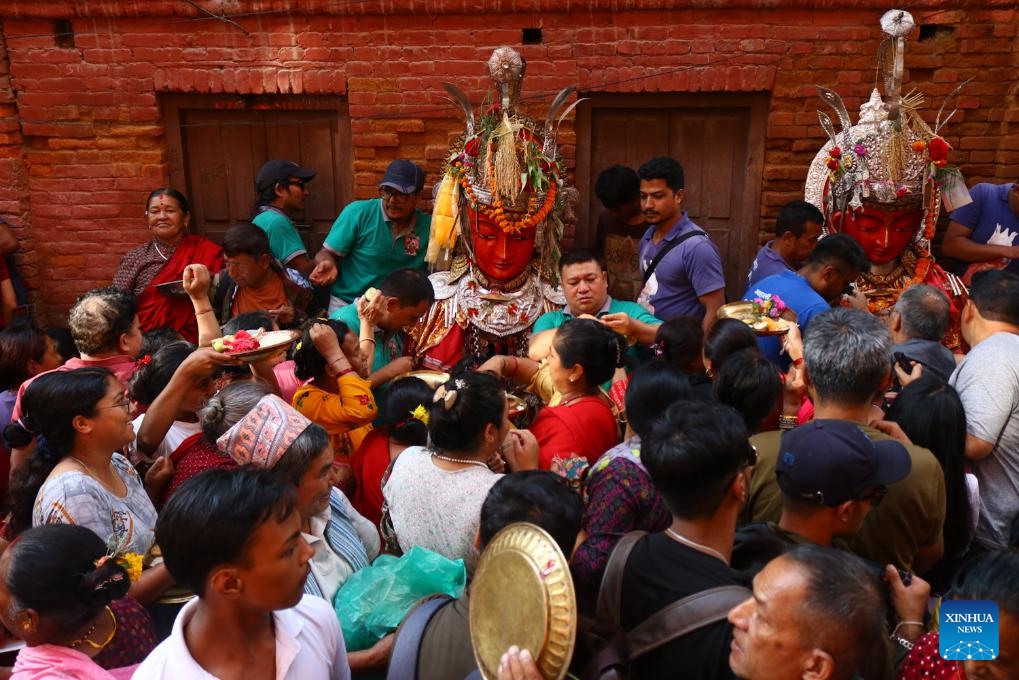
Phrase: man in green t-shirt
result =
(585, 285)
(373, 237)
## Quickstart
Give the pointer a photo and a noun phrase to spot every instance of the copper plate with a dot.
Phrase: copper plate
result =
(522, 595)
(744, 311)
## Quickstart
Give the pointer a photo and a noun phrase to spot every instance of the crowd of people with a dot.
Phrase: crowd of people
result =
(731, 502)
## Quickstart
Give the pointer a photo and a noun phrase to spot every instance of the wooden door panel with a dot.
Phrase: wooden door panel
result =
(713, 144)
(222, 149)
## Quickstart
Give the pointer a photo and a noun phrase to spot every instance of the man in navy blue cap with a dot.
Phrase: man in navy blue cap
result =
(373, 237)
(282, 187)
(830, 474)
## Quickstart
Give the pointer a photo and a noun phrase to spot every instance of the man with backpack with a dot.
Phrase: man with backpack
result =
(671, 591)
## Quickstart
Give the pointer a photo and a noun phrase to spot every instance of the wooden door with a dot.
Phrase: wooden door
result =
(718, 140)
(217, 152)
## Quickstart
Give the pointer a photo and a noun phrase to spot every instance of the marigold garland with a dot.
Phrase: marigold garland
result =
(497, 211)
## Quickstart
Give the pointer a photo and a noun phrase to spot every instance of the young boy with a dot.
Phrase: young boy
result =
(253, 280)
(234, 538)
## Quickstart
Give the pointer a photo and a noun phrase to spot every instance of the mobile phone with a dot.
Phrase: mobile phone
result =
(904, 362)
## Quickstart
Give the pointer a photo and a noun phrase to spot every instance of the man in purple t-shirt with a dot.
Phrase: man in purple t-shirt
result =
(796, 232)
(986, 229)
(687, 279)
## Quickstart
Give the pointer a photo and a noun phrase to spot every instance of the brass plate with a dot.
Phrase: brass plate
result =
(522, 594)
(744, 311)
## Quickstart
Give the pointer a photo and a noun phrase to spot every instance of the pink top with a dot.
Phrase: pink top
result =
(287, 380)
(120, 365)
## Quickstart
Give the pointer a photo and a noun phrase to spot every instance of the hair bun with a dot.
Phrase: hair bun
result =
(214, 410)
(105, 583)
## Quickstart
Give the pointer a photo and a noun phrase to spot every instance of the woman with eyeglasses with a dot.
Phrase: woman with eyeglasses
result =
(162, 260)
(81, 419)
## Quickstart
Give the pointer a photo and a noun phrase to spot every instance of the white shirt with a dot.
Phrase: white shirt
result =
(309, 646)
(178, 432)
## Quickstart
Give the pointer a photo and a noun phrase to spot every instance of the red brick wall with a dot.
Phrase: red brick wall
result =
(81, 139)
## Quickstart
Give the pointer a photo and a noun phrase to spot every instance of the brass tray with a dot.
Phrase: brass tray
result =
(522, 595)
(744, 311)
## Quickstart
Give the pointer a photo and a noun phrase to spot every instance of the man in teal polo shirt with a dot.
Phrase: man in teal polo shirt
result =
(404, 296)
(373, 237)
(586, 285)
(282, 187)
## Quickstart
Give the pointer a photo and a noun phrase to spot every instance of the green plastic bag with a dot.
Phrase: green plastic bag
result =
(374, 600)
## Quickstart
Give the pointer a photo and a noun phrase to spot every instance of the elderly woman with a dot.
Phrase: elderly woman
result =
(274, 436)
(578, 425)
(63, 596)
(162, 260)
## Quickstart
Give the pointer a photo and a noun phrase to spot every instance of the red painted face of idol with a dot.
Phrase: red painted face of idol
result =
(500, 256)
(882, 234)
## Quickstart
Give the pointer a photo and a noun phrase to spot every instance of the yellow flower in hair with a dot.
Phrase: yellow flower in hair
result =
(132, 564)
(420, 413)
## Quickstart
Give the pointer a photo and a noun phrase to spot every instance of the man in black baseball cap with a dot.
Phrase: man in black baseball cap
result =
(282, 188)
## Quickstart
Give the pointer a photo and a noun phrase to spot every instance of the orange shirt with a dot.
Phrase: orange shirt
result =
(270, 296)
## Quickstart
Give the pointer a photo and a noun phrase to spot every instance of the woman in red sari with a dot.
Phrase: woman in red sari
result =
(578, 425)
(162, 260)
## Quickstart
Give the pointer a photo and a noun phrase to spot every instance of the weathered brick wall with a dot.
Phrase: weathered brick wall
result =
(81, 138)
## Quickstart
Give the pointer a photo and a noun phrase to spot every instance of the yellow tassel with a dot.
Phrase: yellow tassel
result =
(507, 164)
(444, 222)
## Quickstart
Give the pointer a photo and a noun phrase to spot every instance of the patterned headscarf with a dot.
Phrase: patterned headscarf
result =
(263, 435)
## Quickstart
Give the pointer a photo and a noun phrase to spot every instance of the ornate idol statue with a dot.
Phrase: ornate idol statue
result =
(883, 181)
(496, 227)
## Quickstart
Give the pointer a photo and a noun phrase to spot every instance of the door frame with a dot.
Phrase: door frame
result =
(757, 103)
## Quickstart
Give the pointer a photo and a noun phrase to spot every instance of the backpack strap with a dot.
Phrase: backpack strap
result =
(666, 248)
(610, 593)
(403, 661)
(683, 617)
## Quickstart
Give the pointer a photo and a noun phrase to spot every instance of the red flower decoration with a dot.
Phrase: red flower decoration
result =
(835, 152)
(142, 361)
(832, 164)
(472, 312)
(919, 145)
(472, 147)
(937, 149)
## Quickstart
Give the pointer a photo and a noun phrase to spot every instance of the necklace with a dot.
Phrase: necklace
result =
(161, 254)
(461, 461)
(695, 545)
(85, 639)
